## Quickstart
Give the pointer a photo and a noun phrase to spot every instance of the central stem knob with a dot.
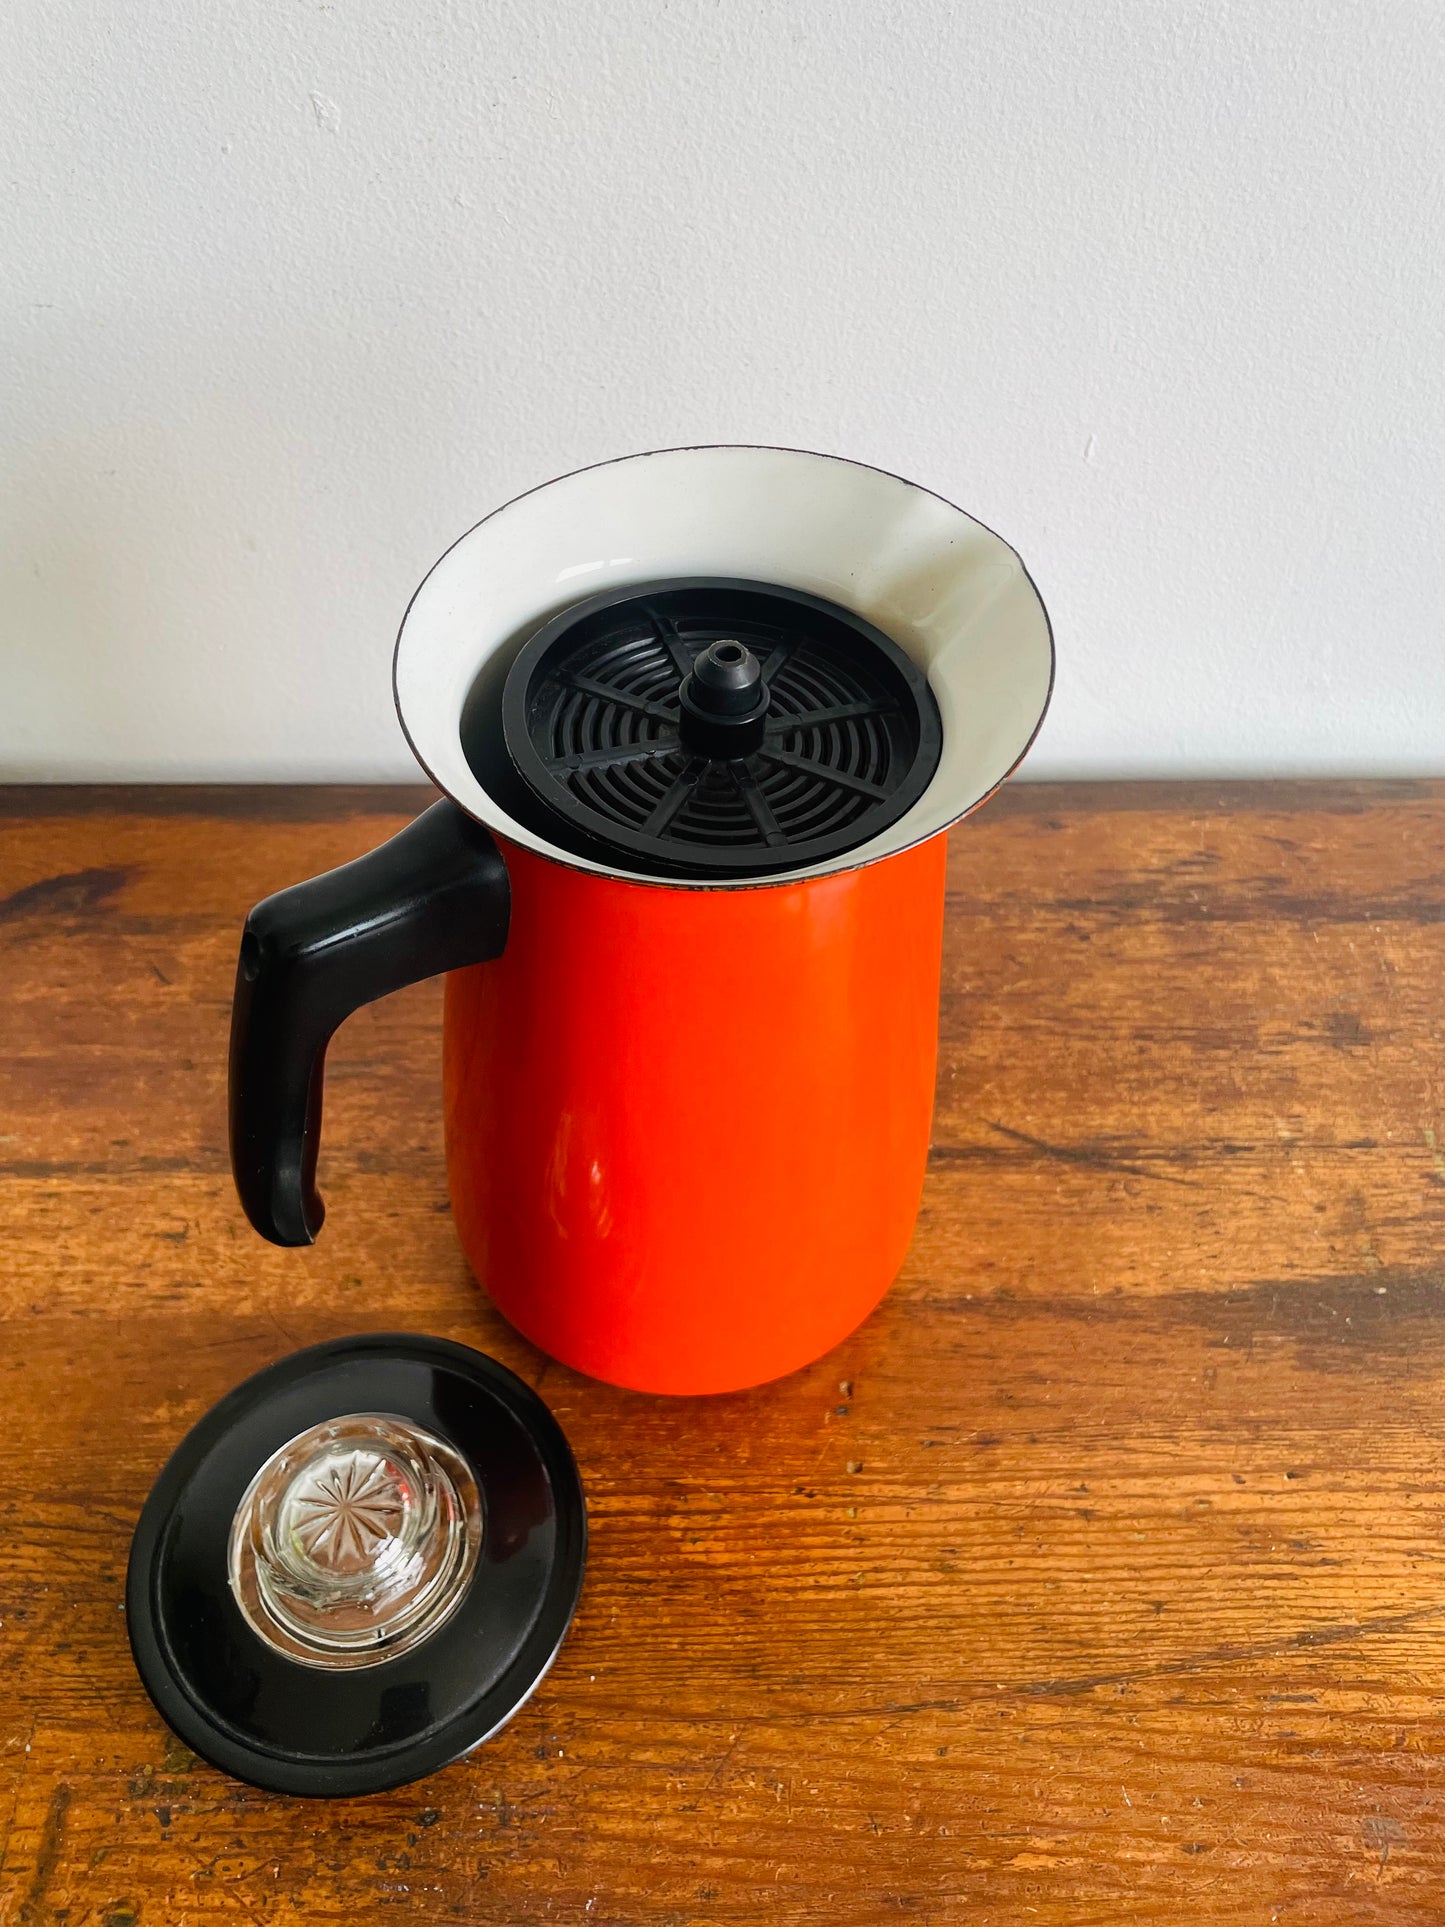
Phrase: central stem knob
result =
(725, 679)
(724, 702)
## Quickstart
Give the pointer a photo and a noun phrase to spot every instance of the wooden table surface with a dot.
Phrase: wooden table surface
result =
(1100, 1577)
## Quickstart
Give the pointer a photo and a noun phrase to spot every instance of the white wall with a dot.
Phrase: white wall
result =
(293, 291)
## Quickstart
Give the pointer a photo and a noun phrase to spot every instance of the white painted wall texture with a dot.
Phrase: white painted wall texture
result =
(294, 292)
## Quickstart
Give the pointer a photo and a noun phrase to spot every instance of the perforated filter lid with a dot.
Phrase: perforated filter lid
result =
(716, 727)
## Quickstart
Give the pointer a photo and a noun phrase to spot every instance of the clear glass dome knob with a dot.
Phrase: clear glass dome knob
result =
(355, 1541)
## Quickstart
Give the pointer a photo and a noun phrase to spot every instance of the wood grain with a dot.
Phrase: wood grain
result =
(1100, 1577)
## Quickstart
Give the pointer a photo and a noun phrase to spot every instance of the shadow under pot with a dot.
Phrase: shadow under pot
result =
(687, 882)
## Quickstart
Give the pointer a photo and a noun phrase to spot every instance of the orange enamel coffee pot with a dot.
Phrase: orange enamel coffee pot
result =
(701, 719)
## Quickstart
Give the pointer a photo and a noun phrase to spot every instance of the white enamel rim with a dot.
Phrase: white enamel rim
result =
(954, 596)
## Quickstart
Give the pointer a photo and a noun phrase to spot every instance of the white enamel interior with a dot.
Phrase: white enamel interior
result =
(949, 592)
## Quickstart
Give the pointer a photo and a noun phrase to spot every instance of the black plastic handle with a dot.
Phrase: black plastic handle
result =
(434, 898)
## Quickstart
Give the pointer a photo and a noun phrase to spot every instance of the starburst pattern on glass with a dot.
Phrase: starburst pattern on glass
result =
(342, 1512)
(355, 1541)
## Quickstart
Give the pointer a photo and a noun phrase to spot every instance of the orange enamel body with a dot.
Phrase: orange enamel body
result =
(687, 1129)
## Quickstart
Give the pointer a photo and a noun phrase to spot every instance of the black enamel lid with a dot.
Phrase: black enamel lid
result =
(709, 727)
(357, 1566)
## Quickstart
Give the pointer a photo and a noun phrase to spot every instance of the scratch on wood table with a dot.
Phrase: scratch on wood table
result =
(1099, 1578)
